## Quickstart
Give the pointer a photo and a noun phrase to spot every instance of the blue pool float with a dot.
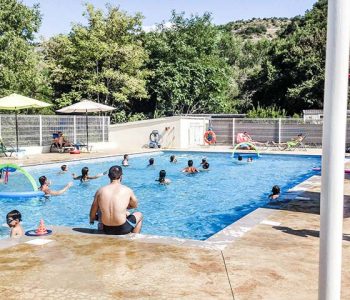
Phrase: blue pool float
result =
(21, 194)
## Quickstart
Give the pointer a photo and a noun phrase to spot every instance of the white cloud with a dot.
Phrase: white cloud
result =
(155, 26)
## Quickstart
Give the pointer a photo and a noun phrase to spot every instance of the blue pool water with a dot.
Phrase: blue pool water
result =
(192, 206)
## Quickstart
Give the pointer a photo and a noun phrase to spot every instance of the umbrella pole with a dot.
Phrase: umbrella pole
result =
(16, 130)
(87, 132)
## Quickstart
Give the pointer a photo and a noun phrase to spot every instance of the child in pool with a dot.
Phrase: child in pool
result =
(173, 159)
(125, 162)
(64, 169)
(13, 220)
(205, 166)
(276, 191)
(151, 162)
(162, 179)
(84, 177)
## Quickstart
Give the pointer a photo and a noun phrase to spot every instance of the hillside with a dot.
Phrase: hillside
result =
(257, 28)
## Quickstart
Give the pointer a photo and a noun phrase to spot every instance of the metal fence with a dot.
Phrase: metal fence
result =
(277, 130)
(37, 130)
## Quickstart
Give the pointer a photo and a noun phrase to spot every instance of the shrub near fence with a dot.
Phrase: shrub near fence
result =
(37, 130)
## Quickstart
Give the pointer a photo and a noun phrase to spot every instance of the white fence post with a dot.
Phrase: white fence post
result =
(103, 129)
(75, 129)
(0, 126)
(233, 132)
(40, 131)
(279, 130)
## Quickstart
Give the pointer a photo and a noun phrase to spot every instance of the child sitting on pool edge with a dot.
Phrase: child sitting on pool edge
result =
(13, 220)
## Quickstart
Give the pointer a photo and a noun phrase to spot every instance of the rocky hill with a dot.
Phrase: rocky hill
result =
(257, 28)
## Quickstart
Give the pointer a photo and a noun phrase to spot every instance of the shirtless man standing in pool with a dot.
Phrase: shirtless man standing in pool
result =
(113, 201)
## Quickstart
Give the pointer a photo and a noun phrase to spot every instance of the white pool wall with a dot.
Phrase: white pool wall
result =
(176, 132)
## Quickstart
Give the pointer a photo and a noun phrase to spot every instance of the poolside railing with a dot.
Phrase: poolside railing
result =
(37, 130)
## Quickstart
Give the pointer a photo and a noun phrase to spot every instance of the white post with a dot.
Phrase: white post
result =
(75, 129)
(233, 131)
(0, 127)
(109, 132)
(279, 130)
(40, 131)
(103, 129)
(334, 131)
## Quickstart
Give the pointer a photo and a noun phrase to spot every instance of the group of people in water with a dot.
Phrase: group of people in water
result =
(111, 204)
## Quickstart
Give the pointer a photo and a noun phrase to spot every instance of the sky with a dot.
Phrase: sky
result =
(59, 15)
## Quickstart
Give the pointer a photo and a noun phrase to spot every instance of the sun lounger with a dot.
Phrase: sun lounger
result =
(294, 144)
(7, 151)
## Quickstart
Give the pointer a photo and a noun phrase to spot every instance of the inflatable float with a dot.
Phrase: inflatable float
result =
(6, 169)
(250, 145)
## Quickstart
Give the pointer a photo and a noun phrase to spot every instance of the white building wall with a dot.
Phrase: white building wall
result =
(176, 132)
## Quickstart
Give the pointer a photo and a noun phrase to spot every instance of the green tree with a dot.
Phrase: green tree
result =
(21, 66)
(103, 61)
(189, 74)
(293, 76)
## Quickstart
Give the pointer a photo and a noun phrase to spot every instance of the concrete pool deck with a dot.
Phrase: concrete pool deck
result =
(275, 258)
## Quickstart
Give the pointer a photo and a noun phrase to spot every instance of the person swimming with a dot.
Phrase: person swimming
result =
(190, 168)
(250, 159)
(205, 166)
(276, 191)
(204, 160)
(162, 179)
(84, 177)
(151, 162)
(64, 169)
(173, 159)
(125, 162)
(240, 158)
(44, 187)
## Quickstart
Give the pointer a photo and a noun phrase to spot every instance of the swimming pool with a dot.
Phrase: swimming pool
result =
(192, 206)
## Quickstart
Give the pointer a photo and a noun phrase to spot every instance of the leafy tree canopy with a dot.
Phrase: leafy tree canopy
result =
(189, 74)
(103, 61)
(21, 67)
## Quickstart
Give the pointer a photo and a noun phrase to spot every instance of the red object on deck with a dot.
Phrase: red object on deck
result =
(76, 151)
(41, 229)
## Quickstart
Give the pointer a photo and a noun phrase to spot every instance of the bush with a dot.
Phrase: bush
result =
(266, 112)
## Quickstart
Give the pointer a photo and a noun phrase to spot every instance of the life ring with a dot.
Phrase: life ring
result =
(76, 151)
(210, 137)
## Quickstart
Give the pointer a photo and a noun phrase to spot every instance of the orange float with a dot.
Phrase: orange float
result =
(210, 137)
